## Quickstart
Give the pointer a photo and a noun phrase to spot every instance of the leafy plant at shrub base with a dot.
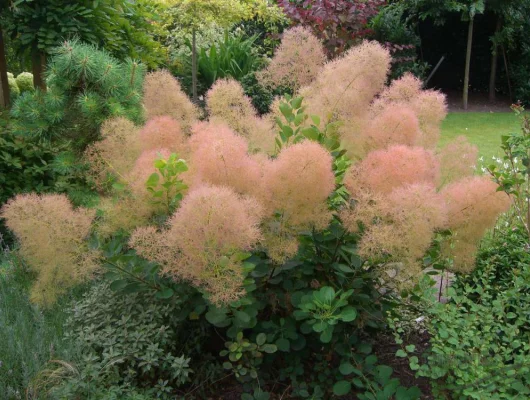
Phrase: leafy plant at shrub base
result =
(513, 175)
(125, 340)
(479, 341)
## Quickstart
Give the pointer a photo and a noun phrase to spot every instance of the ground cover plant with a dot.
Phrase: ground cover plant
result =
(30, 337)
(280, 240)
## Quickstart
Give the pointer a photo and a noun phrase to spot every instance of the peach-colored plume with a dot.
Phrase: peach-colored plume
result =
(473, 205)
(205, 236)
(164, 96)
(296, 62)
(220, 157)
(163, 132)
(385, 170)
(51, 236)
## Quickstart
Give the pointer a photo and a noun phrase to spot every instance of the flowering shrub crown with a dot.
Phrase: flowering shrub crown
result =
(242, 193)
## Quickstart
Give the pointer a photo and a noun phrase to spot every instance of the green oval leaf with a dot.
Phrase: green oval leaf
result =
(341, 388)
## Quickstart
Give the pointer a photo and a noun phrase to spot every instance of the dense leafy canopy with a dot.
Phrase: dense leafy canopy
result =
(120, 26)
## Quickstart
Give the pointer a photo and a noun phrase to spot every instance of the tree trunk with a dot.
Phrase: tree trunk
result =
(194, 66)
(468, 62)
(4, 85)
(38, 64)
(506, 66)
(494, 58)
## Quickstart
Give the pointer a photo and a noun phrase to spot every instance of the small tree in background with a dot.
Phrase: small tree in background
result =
(4, 85)
(117, 25)
(86, 87)
(197, 14)
(438, 9)
(338, 23)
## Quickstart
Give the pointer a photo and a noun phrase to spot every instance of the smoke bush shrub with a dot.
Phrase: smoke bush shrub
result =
(293, 252)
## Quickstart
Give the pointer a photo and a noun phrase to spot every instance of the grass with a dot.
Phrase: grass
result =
(482, 129)
(29, 337)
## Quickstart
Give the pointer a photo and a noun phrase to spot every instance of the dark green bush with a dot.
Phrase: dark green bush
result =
(392, 28)
(501, 259)
(86, 86)
(28, 166)
(261, 96)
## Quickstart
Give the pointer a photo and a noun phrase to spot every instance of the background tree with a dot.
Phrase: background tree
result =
(4, 86)
(198, 14)
(508, 29)
(437, 10)
(337, 23)
(119, 25)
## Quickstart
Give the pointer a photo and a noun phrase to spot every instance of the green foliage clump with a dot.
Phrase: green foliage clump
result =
(513, 173)
(25, 82)
(480, 341)
(503, 257)
(27, 166)
(124, 28)
(392, 28)
(230, 57)
(127, 344)
(14, 90)
(86, 86)
(480, 338)
(261, 96)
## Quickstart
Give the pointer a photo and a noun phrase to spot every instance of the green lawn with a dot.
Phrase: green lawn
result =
(481, 128)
